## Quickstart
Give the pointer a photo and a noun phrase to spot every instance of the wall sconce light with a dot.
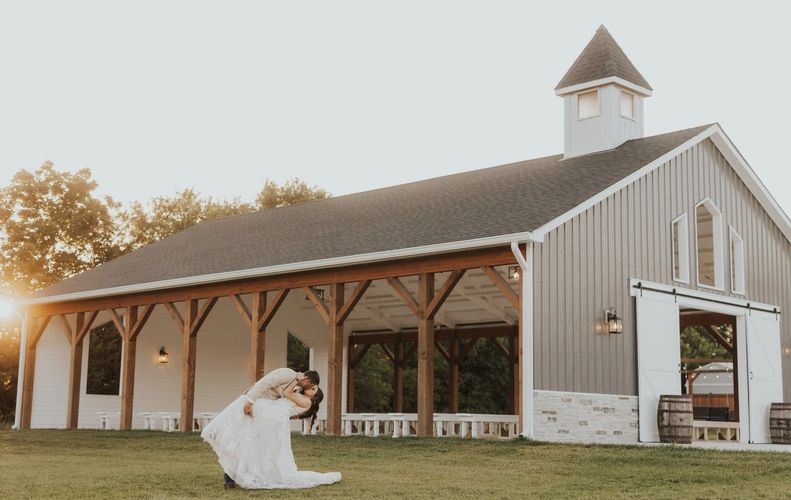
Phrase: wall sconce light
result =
(513, 273)
(612, 322)
(787, 351)
(318, 291)
(162, 357)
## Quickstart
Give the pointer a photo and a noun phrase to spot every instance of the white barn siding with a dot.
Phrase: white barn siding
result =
(51, 379)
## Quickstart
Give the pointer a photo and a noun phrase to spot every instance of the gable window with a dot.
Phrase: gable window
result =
(627, 105)
(737, 262)
(708, 235)
(588, 104)
(680, 229)
(104, 360)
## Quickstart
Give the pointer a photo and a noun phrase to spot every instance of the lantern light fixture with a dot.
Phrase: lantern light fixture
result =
(318, 291)
(513, 273)
(612, 322)
(162, 357)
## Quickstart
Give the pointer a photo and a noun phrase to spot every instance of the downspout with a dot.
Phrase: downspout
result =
(526, 361)
(20, 378)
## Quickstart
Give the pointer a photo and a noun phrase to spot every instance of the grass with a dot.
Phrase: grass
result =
(140, 464)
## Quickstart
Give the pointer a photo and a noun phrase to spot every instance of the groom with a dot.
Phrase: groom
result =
(271, 386)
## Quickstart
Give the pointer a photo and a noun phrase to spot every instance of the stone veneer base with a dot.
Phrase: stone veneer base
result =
(585, 418)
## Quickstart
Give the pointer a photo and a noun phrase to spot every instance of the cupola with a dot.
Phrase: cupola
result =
(603, 98)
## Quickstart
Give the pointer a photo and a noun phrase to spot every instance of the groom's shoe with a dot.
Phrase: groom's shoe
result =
(229, 483)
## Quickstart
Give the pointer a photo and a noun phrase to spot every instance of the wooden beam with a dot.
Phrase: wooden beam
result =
(244, 312)
(271, 309)
(444, 292)
(67, 330)
(128, 367)
(501, 285)
(357, 294)
(404, 295)
(390, 354)
(257, 337)
(141, 321)
(701, 318)
(175, 315)
(202, 315)
(119, 324)
(441, 334)
(321, 307)
(467, 259)
(445, 354)
(358, 356)
(75, 372)
(188, 365)
(86, 327)
(718, 338)
(36, 328)
(453, 372)
(500, 346)
(335, 360)
(425, 362)
(398, 378)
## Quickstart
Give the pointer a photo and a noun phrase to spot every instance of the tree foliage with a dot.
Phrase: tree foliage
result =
(290, 192)
(164, 216)
(52, 226)
(297, 354)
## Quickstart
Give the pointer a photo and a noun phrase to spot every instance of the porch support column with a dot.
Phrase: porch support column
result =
(36, 328)
(454, 372)
(335, 360)
(76, 337)
(257, 322)
(425, 361)
(398, 376)
(129, 329)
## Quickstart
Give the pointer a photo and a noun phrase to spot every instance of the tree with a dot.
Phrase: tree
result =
(165, 216)
(297, 354)
(9, 366)
(52, 227)
(291, 192)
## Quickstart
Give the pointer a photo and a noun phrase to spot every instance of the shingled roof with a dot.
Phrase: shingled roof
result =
(602, 58)
(514, 198)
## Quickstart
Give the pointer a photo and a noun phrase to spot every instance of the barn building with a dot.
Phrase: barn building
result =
(586, 268)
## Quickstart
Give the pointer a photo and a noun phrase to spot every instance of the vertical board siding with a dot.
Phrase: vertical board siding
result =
(584, 266)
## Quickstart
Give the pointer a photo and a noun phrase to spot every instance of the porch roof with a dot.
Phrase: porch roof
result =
(515, 198)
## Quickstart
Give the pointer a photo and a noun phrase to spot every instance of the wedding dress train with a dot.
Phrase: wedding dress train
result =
(256, 452)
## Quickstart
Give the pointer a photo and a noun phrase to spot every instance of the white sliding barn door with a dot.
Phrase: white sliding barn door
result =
(658, 357)
(765, 375)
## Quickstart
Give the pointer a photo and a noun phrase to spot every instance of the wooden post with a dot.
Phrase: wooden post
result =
(513, 357)
(75, 372)
(189, 352)
(454, 372)
(128, 369)
(350, 378)
(398, 376)
(36, 327)
(425, 362)
(335, 360)
(257, 338)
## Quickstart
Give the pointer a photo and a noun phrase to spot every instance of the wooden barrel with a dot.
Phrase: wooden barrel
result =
(780, 423)
(674, 418)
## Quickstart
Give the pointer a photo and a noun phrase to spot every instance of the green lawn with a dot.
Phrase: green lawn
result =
(94, 464)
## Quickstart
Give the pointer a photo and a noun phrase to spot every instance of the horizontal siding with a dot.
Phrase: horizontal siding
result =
(584, 265)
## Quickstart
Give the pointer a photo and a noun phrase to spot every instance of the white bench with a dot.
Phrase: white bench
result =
(724, 431)
(478, 426)
(319, 426)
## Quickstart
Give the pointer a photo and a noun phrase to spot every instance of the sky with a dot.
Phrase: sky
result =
(157, 96)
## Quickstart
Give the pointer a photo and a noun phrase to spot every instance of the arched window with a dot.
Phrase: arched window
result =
(708, 236)
(680, 249)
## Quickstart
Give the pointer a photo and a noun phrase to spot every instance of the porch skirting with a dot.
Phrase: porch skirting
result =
(585, 418)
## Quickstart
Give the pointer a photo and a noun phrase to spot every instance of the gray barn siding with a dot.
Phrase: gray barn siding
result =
(584, 265)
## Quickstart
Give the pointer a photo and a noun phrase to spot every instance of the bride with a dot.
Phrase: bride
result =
(255, 451)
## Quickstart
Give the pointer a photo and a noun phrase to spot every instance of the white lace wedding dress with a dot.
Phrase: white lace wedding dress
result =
(256, 452)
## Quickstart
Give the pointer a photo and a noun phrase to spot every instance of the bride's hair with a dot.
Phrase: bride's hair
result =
(313, 409)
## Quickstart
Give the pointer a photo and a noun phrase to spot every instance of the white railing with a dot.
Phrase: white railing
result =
(463, 425)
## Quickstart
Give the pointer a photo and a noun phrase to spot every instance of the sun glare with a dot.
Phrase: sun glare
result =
(7, 308)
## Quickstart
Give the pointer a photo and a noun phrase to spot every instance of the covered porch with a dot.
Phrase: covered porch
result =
(435, 303)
